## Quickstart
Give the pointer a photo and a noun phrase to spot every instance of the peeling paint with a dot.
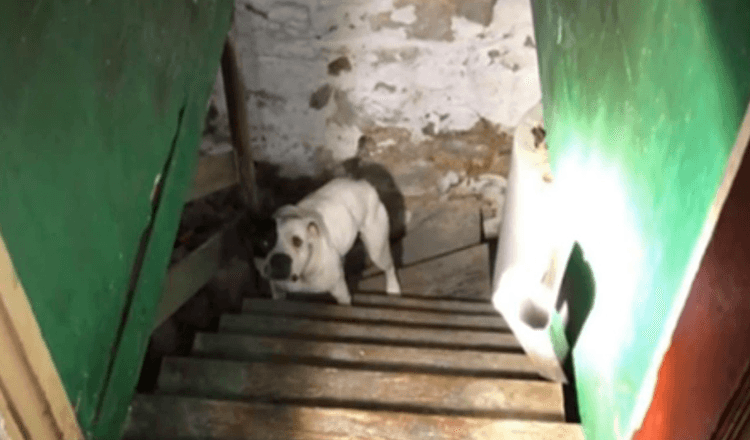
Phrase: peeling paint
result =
(402, 63)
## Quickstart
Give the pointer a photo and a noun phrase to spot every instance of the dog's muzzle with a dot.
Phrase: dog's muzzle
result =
(279, 267)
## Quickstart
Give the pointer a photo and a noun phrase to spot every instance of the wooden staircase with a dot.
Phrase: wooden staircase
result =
(420, 366)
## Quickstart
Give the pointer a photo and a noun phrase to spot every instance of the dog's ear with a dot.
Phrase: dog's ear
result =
(313, 230)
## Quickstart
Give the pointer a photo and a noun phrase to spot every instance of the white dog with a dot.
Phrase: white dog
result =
(301, 248)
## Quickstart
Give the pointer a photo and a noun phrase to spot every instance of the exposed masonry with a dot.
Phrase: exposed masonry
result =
(318, 72)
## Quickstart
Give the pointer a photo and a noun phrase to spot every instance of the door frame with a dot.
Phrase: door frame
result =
(33, 401)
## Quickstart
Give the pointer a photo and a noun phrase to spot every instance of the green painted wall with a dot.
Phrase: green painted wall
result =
(642, 102)
(97, 99)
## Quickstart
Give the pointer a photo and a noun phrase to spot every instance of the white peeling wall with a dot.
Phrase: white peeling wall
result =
(425, 65)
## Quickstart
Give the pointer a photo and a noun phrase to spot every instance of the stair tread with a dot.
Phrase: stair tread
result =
(373, 355)
(416, 392)
(331, 311)
(421, 303)
(367, 332)
(462, 274)
(159, 416)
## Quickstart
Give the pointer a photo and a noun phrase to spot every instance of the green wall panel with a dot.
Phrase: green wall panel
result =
(97, 99)
(642, 103)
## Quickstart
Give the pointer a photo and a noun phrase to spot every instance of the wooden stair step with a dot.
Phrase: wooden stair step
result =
(415, 392)
(266, 348)
(337, 312)
(368, 332)
(160, 417)
(403, 302)
(463, 274)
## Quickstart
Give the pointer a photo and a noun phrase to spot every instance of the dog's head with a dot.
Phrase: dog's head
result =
(283, 245)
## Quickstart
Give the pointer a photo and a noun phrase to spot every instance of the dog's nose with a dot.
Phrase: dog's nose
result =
(280, 266)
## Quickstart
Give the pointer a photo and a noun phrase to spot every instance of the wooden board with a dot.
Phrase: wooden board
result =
(464, 274)
(9, 429)
(372, 315)
(234, 91)
(734, 423)
(405, 302)
(279, 382)
(98, 142)
(641, 115)
(440, 231)
(392, 358)
(213, 173)
(160, 417)
(188, 275)
(308, 328)
(19, 386)
(29, 381)
(436, 231)
(717, 305)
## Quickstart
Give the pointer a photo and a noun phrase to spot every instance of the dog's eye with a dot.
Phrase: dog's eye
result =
(296, 241)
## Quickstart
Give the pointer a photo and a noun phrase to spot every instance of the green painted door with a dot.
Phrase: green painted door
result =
(101, 102)
(642, 103)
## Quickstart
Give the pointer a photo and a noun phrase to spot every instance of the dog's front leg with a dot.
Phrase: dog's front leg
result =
(340, 291)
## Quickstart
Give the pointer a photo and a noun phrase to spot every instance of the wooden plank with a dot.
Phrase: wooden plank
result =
(437, 231)
(407, 317)
(464, 274)
(308, 328)
(30, 382)
(427, 304)
(734, 423)
(467, 362)
(277, 382)
(9, 429)
(440, 231)
(654, 184)
(718, 289)
(718, 305)
(20, 385)
(213, 173)
(234, 90)
(187, 276)
(158, 417)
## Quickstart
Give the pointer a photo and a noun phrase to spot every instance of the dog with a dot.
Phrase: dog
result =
(300, 248)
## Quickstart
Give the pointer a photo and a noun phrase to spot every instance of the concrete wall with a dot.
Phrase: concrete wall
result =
(319, 72)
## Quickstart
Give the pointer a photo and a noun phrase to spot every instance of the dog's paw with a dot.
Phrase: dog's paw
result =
(392, 287)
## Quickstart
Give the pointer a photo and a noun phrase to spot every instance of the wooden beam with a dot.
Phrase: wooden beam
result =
(29, 381)
(213, 173)
(234, 89)
(188, 275)
(9, 429)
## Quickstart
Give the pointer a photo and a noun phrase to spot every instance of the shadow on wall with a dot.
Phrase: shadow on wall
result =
(578, 289)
